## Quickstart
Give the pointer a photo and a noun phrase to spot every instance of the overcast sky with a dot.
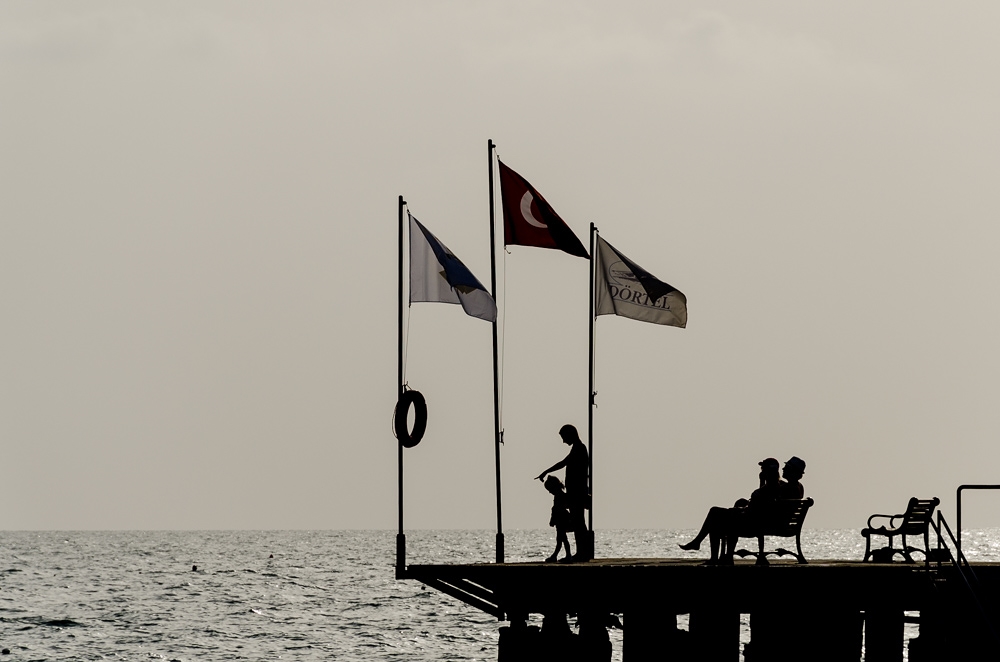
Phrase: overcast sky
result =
(198, 241)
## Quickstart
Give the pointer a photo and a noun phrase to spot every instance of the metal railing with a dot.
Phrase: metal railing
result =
(962, 567)
(958, 558)
(958, 508)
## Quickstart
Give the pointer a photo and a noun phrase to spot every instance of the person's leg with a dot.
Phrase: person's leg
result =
(559, 536)
(580, 532)
(731, 523)
(728, 544)
(713, 522)
(714, 539)
(562, 540)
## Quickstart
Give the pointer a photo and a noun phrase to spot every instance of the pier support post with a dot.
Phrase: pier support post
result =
(884, 635)
(518, 642)
(715, 634)
(594, 643)
(765, 636)
(932, 642)
(781, 635)
(653, 635)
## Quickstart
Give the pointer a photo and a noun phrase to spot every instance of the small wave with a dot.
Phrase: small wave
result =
(61, 623)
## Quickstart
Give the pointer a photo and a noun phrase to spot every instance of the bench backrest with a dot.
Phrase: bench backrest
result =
(786, 517)
(918, 515)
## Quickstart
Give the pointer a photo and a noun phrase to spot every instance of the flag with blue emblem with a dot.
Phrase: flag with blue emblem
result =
(437, 275)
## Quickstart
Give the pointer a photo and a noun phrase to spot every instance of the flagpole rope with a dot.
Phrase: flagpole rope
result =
(406, 314)
(406, 340)
(503, 340)
(503, 323)
(594, 396)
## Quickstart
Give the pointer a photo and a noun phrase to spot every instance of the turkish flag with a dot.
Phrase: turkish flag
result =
(528, 220)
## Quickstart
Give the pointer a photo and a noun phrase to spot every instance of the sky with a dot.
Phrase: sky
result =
(198, 257)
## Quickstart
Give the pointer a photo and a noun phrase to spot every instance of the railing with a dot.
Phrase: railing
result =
(958, 507)
(957, 559)
(962, 566)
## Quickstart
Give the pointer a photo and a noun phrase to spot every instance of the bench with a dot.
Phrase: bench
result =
(914, 522)
(785, 520)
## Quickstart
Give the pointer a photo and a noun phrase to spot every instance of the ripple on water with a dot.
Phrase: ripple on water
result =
(324, 595)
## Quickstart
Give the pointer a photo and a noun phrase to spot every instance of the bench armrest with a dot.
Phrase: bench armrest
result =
(891, 518)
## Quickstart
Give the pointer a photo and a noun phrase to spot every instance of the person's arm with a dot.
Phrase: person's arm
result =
(555, 467)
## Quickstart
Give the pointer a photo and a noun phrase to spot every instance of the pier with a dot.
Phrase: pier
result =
(820, 611)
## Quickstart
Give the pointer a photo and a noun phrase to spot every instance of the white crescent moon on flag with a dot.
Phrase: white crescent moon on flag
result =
(526, 211)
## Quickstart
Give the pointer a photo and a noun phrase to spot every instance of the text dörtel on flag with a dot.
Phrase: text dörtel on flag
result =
(624, 288)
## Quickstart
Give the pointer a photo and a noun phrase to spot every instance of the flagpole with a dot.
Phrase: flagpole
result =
(497, 433)
(400, 536)
(590, 407)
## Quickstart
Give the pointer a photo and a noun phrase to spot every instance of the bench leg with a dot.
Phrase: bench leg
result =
(761, 555)
(868, 548)
(798, 548)
(906, 552)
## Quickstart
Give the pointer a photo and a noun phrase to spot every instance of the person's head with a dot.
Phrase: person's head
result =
(769, 469)
(554, 485)
(569, 434)
(794, 469)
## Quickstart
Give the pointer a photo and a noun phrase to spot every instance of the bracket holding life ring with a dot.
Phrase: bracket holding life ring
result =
(408, 438)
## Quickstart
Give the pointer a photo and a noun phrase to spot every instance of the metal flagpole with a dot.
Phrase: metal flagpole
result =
(590, 408)
(400, 537)
(497, 433)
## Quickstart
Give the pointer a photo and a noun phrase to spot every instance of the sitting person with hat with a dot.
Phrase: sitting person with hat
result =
(792, 472)
(721, 522)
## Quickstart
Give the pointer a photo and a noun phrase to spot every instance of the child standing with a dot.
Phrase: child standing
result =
(560, 515)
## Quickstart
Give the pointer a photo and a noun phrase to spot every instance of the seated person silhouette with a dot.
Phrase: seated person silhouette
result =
(721, 523)
(560, 516)
(792, 472)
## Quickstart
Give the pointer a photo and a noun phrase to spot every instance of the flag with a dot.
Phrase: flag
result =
(528, 220)
(437, 275)
(624, 288)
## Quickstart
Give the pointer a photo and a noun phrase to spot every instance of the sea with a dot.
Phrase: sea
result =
(286, 595)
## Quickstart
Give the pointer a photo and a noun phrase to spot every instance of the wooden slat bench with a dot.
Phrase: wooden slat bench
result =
(914, 522)
(786, 519)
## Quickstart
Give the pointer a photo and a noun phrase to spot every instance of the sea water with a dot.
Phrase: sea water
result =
(285, 595)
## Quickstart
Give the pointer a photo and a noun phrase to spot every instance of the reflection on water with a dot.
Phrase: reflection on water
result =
(323, 595)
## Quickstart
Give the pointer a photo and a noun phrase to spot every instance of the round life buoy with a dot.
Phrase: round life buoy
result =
(407, 438)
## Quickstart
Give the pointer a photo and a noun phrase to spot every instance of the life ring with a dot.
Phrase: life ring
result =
(406, 438)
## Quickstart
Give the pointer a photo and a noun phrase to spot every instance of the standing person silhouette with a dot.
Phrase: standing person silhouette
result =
(560, 516)
(577, 465)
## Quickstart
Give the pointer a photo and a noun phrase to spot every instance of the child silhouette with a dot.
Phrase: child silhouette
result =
(560, 515)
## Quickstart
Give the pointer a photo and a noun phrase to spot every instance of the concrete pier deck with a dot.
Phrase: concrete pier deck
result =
(823, 600)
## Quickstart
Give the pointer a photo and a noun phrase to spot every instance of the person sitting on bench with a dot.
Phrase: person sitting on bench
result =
(792, 472)
(721, 522)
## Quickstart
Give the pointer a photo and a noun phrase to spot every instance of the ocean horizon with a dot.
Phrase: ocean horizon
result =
(291, 595)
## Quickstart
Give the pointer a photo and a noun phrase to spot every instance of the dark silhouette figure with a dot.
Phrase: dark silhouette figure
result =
(560, 516)
(721, 523)
(577, 465)
(792, 473)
